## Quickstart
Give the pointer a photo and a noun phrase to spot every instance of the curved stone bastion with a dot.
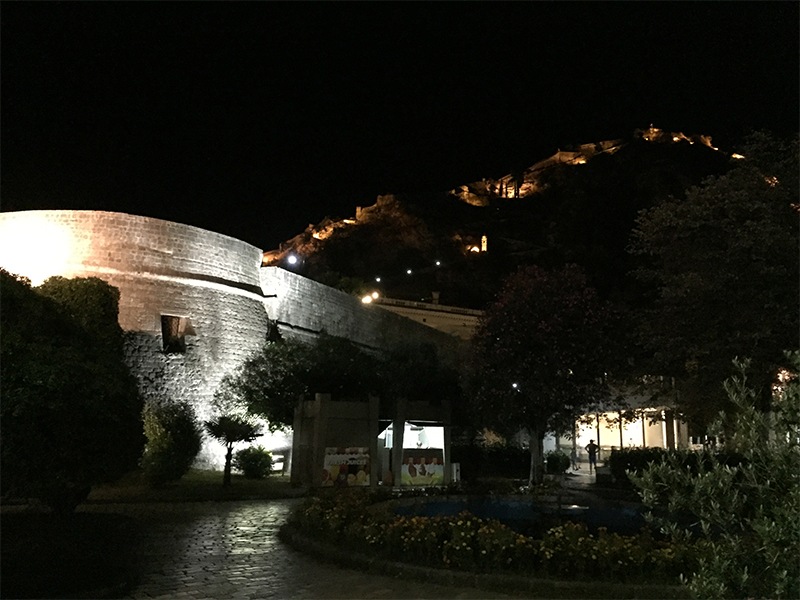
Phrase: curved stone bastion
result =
(191, 302)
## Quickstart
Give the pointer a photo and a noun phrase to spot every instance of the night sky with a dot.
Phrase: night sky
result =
(256, 119)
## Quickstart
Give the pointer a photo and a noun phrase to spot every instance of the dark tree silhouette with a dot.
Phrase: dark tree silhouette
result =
(230, 431)
(539, 356)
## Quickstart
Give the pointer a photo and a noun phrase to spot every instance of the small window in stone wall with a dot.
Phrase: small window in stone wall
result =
(173, 333)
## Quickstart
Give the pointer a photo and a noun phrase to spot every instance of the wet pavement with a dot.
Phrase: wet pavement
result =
(232, 550)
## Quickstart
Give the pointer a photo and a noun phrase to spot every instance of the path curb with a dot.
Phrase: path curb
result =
(506, 583)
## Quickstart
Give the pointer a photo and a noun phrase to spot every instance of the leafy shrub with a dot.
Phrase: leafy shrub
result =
(173, 441)
(492, 461)
(633, 459)
(254, 462)
(637, 460)
(557, 462)
(71, 415)
(466, 542)
(744, 503)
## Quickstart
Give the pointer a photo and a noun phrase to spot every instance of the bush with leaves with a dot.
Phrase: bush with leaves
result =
(70, 413)
(470, 543)
(254, 462)
(747, 503)
(173, 441)
(635, 460)
(557, 462)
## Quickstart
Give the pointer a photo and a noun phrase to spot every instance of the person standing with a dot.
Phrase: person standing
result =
(592, 449)
(574, 458)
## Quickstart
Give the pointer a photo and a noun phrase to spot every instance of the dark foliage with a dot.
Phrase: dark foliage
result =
(231, 430)
(723, 262)
(253, 462)
(173, 441)
(71, 413)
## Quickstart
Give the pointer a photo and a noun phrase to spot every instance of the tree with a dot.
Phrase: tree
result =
(231, 430)
(71, 412)
(540, 354)
(272, 381)
(748, 509)
(268, 384)
(724, 263)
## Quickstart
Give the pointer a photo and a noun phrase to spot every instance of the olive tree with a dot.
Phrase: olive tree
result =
(748, 510)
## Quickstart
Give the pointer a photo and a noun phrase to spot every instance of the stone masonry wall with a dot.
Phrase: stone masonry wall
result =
(212, 281)
(304, 308)
(160, 268)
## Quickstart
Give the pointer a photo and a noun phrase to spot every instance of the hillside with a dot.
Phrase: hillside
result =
(578, 205)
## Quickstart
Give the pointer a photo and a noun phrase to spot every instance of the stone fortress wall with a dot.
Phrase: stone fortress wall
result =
(204, 290)
(208, 280)
(303, 308)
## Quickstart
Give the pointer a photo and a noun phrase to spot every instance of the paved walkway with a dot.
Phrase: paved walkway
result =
(232, 550)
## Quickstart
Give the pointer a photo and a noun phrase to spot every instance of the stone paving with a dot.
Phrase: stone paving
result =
(231, 550)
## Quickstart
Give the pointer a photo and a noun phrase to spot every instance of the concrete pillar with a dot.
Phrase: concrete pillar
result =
(374, 431)
(644, 429)
(299, 447)
(398, 431)
(670, 429)
(319, 441)
(447, 410)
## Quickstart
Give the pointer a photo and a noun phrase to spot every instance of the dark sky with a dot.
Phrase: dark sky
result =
(255, 119)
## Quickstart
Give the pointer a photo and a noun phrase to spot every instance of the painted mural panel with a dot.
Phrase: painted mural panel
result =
(346, 467)
(422, 467)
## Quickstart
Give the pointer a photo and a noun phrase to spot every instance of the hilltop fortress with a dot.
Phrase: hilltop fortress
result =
(528, 181)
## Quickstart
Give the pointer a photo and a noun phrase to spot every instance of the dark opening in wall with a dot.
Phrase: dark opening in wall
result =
(173, 333)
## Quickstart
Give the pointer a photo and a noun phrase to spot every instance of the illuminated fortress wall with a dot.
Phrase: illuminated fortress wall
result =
(204, 283)
(303, 308)
(193, 303)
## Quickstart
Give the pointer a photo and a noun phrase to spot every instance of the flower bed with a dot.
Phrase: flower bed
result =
(357, 523)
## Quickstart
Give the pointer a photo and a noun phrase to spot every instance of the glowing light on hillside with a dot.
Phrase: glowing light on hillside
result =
(474, 248)
(438, 263)
(366, 299)
(771, 181)
(292, 259)
(375, 295)
(737, 156)
(409, 271)
(378, 279)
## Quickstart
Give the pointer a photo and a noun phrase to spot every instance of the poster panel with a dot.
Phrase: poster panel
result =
(422, 467)
(345, 467)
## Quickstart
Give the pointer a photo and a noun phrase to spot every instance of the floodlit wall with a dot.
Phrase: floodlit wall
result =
(303, 308)
(194, 303)
(204, 282)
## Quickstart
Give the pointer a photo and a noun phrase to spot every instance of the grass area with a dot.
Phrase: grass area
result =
(195, 486)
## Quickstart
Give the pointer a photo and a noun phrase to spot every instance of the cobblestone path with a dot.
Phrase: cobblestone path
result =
(231, 550)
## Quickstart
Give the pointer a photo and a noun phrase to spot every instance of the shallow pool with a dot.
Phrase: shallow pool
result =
(525, 516)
